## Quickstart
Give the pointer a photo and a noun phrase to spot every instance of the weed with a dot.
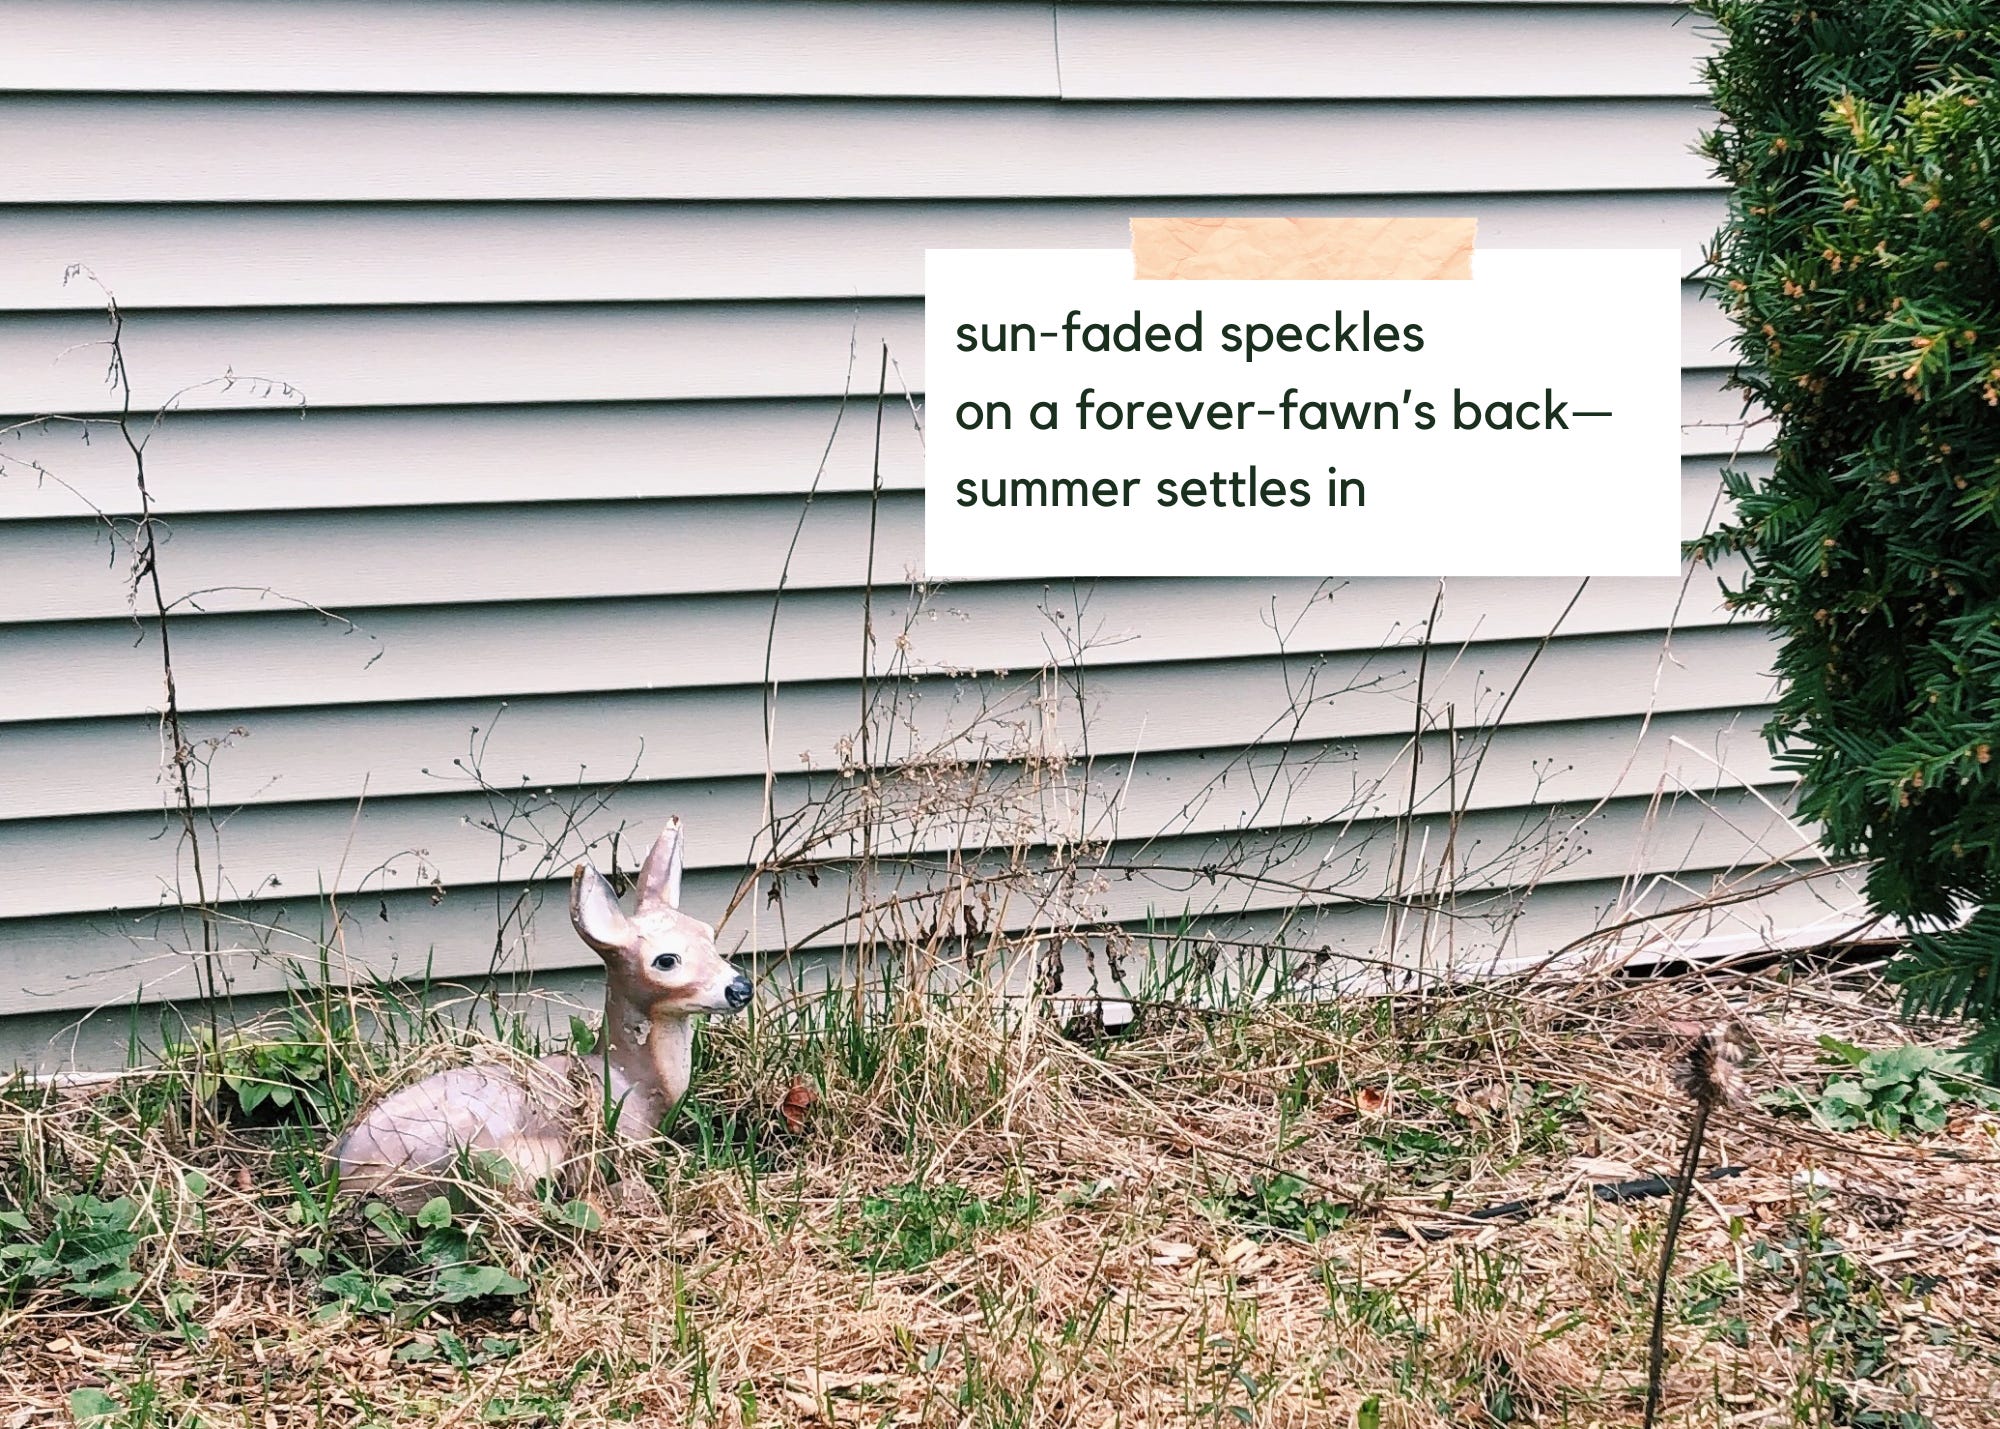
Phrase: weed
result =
(143, 1408)
(87, 1248)
(1704, 1293)
(1278, 1205)
(907, 1226)
(1848, 1368)
(450, 1349)
(1431, 1137)
(1483, 1280)
(448, 1265)
(1891, 1089)
(1424, 1156)
(261, 1081)
(1550, 1112)
(1374, 1308)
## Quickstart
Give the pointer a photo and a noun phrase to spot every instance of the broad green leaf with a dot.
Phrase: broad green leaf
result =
(364, 1292)
(446, 1246)
(385, 1219)
(91, 1407)
(107, 1286)
(473, 1282)
(492, 1167)
(580, 1214)
(1842, 1105)
(1895, 1064)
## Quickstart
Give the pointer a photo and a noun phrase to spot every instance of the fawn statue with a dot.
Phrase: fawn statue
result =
(660, 968)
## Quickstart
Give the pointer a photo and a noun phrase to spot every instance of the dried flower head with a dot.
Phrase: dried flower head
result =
(1710, 1071)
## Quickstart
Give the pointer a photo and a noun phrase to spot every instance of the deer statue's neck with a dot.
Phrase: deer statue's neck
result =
(651, 1061)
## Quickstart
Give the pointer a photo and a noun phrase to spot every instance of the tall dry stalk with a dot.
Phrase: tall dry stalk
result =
(1709, 1073)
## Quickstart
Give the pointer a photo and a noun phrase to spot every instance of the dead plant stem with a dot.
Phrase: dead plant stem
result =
(1676, 1212)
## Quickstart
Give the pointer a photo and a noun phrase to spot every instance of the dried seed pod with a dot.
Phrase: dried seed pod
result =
(1710, 1071)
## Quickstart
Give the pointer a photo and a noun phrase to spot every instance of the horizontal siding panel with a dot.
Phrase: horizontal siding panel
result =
(65, 149)
(279, 460)
(895, 49)
(276, 459)
(106, 960)
(370, 357)
(417, 356)
(1715, 421)
(1701, 492)
(1706, 331)
(1509, 4)
(380, 844)
(299, 755)
(1375, 52)
(162, 255)
(351, 560)
(355, 561)
(539, 47)
(1509, 931)
(302, 658)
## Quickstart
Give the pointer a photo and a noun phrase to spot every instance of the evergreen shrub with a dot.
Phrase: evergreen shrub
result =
(1861, 264)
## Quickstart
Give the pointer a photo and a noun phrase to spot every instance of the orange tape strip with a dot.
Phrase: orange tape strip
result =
(1303, 247)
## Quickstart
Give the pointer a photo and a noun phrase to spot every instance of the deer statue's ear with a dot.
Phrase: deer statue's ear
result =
(594, 912)
(660, 878)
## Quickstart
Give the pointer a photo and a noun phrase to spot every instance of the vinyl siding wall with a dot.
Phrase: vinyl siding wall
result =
(504, 340)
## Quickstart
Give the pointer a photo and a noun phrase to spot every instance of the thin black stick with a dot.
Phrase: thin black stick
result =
(865, 768)
(146, 555)
(868, 586)
(1683, 1188)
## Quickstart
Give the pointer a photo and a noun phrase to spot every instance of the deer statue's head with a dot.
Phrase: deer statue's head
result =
(657, 959)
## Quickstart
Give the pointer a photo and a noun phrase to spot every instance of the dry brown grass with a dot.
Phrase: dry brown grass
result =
(1083, 1245)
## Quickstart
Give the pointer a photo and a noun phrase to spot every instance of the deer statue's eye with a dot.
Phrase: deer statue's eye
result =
(666, 962)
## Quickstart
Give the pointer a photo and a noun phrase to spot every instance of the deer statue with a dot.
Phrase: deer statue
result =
(660, 968)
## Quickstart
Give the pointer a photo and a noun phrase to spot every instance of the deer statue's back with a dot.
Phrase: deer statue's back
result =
(414, 1138)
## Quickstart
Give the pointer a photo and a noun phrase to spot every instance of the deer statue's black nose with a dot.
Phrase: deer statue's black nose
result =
(739, 992)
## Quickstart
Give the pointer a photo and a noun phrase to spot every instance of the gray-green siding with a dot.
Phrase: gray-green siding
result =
(566, 294)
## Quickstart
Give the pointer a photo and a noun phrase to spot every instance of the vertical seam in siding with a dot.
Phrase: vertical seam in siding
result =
(1055, 43)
